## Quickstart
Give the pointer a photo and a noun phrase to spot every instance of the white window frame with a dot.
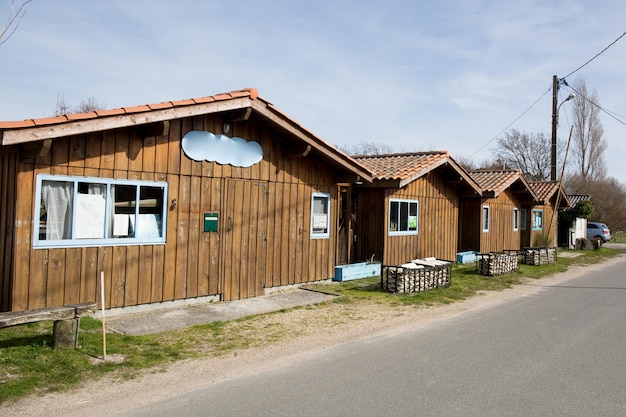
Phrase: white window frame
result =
(523, 221)
(515, 219)
(319, 217)
(485, 218)
(537, 214)
(108, 239)
(395, 230)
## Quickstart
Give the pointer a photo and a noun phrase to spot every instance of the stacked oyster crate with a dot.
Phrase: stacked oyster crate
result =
(416, 276)
(497, 263)
(539, 256)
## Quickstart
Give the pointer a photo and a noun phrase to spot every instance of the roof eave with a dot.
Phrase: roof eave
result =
(268, 111)
(67, 128)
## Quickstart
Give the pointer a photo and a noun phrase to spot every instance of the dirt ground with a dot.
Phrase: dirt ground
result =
(309, 330)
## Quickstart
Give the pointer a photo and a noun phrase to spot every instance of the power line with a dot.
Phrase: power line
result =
(512, 123)
(610, 113)
(597, 55)
(613, 115)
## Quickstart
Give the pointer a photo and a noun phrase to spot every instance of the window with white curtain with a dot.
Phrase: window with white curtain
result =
(79, 211)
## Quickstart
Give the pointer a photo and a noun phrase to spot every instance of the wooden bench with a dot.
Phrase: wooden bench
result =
(66, 320)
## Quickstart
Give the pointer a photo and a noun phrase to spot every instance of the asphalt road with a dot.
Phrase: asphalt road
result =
(558, 352)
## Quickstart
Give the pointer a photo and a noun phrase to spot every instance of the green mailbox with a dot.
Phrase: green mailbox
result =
(210, 222)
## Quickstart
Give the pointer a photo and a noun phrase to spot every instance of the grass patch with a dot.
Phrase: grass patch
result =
(29, 365)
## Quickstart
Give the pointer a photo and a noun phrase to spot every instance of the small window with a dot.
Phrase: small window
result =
(523, 219)
(515, 219)
(485, 218)
(537, 220)
(78, 212)
(403, 217)
(320, 215)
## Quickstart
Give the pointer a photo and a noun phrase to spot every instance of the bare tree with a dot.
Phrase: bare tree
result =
(13, 21)
(608, 196)
(466, 163)
(588, 144)
(85, 106)
(527, 152)
(367, 148)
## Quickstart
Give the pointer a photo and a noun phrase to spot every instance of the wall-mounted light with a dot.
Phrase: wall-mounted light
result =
(226, 127)
(173, 205)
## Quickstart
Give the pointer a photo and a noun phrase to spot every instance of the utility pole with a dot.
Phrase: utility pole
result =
(555, 95)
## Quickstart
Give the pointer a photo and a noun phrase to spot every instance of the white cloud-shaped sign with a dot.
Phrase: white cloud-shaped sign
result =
(206, 146)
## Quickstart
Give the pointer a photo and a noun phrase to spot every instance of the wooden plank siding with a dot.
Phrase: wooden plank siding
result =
(438, 214)
(8, 197)
(470, 224)
(549, 225)
(264, 221)
(501, 235)
(371, 224)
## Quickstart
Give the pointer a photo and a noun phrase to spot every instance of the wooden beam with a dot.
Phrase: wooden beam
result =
(239, 115)
(154, 129)
(299, 153)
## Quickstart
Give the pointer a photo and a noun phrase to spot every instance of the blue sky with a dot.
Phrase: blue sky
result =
(416, 75)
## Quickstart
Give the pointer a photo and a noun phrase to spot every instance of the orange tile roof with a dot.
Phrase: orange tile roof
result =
(402, 166)
(494, 182)
(545, 190)
(252, 93)
(407, 167)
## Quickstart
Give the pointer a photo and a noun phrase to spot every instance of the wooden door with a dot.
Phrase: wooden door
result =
(244, 252)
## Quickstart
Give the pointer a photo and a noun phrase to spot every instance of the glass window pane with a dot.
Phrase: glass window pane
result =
(485, 218)
(149, 222)
(124, 199)
(394, 212)
(404, 216)
(90, 210)
(320, 218)
(412, 216)
(55, 214)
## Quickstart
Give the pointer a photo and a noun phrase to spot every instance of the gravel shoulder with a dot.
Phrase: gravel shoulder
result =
(310, 329)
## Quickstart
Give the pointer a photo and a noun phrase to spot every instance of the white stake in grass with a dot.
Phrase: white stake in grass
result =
(104, 332)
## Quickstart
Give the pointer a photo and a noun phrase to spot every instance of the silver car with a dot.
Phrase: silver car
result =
(598, 231)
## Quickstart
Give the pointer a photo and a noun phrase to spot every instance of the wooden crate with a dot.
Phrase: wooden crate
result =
(497, 263)
(539, 256)
(416, 276)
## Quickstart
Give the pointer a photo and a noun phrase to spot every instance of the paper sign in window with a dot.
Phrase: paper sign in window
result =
(120, 224)
(320, 221)
(90, 216)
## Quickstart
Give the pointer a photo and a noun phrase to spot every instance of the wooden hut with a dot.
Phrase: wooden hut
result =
(219, 197)
(411, 210)
(497, 220)
(543, 216)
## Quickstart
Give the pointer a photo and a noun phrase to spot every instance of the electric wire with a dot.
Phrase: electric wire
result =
(609, 113)
(597, 55)
(512, 123)
(612, 114)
